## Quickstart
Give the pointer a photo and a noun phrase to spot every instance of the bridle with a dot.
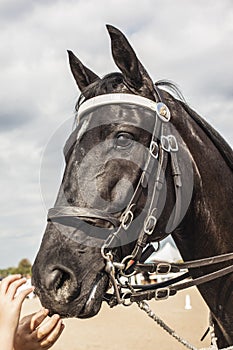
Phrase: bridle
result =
(163, 148)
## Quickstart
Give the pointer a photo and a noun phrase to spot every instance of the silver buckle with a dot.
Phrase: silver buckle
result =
(161, 266)
(153, 147)
(169, 143)
(127, 217)
(165, 293)
(173, 143)
(150, 224)
(165, 143)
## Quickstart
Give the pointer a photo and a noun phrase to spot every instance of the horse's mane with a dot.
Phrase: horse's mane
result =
(222, 146)
(109, 83)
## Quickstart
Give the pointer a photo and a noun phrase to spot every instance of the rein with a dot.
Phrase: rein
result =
(163, 147)
(170, 287)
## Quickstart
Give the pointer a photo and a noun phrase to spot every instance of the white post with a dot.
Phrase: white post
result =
(188, 305)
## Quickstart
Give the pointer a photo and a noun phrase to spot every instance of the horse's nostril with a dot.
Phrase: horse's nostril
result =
(53, 278)
(63, 283)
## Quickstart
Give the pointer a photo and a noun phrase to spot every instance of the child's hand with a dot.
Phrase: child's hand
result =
(31, 334)
(10, 307)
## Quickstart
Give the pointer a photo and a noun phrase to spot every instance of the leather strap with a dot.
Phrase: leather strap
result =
(176, 267)
(164, 293)
(81, 213)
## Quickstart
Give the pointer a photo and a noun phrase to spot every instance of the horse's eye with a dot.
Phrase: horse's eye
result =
(124, 140)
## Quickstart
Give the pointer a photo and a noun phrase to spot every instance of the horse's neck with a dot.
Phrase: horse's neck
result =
(206, 229)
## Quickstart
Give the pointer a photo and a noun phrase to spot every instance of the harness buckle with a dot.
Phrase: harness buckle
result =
(163, 268)
(169, 143)
(150, 224)
(165, 143)
(162, 293)
(127, 217)
(154, 149)
(173, 143)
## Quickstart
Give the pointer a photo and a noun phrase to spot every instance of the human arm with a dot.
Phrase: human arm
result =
(10, 307)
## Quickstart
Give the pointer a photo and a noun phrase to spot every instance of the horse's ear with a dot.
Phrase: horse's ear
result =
(125, 58)
(82, 75)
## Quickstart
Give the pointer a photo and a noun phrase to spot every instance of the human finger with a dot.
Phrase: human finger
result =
(37, 318)
(48, 341)
(13, 286)
(22, 295)
(43, 331)
(7, 281)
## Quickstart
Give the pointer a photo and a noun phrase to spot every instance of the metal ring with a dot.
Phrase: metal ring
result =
(127, 257)
(124, 261)
(106, 256)
(127, 275)
(124, 302)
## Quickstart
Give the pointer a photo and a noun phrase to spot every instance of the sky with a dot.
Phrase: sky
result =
(188, 42)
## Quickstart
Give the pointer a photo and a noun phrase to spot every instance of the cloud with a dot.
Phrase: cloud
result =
(187, 42)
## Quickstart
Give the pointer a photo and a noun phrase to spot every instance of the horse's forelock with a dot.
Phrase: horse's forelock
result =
(110, 83)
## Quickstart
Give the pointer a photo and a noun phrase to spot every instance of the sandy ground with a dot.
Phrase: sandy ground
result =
(129, 328)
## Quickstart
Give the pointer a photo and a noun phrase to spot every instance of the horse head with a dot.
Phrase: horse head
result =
(121, 187)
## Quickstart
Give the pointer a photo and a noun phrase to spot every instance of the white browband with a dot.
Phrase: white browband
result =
(118, 98)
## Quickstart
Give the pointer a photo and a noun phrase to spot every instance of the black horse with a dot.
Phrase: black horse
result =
(140, 165)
